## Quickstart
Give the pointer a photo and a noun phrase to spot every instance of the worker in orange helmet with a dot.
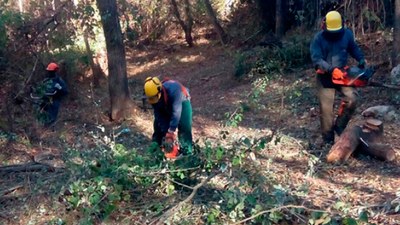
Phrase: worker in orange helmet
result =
(54, 89)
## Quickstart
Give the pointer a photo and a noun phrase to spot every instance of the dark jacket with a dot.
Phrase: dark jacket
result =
(331, 49)
(59, 93)
(167, 111)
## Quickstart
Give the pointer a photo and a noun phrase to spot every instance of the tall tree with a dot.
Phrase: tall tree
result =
(117, 75)
(221, 33)
(279, 24)
(188, 25)
(396, 34)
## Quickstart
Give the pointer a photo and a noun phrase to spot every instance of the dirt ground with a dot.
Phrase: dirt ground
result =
(290, 111)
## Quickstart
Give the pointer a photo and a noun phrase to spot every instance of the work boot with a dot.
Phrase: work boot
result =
(341, 123)
(320, 143)
(328, 138)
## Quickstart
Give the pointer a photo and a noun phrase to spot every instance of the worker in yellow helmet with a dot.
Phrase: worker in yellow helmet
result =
(330, 49)
(172, 115)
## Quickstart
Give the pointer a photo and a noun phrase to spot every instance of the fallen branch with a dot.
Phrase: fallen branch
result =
(170, 212)
(276, 209)
(30, 167)
(27, 81)
(10, 189)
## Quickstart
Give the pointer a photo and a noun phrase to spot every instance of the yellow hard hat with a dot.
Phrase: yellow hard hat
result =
(333, 21)
(152, 89)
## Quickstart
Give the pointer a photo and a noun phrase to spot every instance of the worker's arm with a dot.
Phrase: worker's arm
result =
(317, 56)
(176, 98)
(353, 48)
(61, 87)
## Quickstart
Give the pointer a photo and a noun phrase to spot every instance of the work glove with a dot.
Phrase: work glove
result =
(338, 74)
(361, 64)
(58, 86)
(170, 135)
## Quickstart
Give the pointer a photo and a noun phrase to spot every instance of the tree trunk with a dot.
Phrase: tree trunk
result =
(117, 75)
(221, 33)
(187, 27)
(279, 24)
(396, 34)
(97, 72)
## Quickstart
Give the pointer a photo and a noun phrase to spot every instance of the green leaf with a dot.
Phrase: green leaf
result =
(236, 161)
(397, 209)
(219, 153)
(363, 217)
(170, 189)
(247, 142)
(316, 215)
(349, 221)
(94, 198)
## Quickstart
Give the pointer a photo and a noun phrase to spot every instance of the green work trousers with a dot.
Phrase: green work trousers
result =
(326, 95)
(185, 128)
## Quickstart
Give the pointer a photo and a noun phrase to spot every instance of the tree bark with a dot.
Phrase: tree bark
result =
(187, 27)
(396, 34)
(346, 145)
(117, 75)
(380, 151)
(279, 24)
(97, 72)
(211, 14)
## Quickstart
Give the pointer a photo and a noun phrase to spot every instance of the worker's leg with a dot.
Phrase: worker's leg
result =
(185, 128)
(52, 113)
(346, 109)
(326, 100)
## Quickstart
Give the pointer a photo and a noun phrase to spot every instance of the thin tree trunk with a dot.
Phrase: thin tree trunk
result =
(187, 27)
(211, 14)
(97, 72)
(396, 34)
(279, 25)
(117, 75)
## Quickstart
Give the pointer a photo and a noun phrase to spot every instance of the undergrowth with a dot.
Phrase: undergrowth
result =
(111, 180)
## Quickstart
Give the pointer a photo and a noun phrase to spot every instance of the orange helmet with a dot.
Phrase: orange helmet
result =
(52, 67)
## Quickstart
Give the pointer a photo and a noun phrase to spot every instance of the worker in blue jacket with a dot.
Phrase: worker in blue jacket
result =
(330, 49)
(172, 112)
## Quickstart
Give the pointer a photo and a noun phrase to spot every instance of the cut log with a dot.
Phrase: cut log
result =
(346, 145)
(374, 122)
(380, 151)
(362, 139)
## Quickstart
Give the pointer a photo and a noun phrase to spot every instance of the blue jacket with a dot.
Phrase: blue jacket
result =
(167, 111)
(330, 50)
(51, 83)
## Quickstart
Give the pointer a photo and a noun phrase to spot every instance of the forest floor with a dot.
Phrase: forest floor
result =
(288, 115)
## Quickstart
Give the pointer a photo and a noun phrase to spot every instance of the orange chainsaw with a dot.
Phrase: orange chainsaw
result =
(170, 146)
(357, 77)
